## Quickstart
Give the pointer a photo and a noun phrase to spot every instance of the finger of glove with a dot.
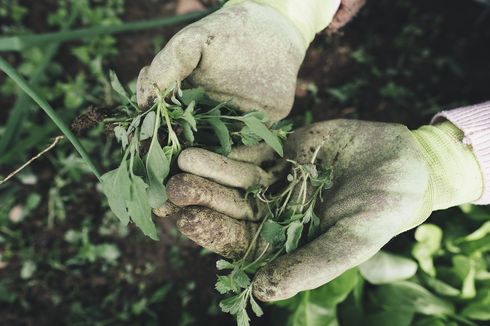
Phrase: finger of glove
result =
(256, 154)
(222, 169)
(315, 264)
(190, 190)
(171, 65)
(215, 231)
(168, 209)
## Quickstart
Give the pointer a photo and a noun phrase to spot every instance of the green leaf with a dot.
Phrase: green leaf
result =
(385, 268)
(390, 318)
(428, 238)
(157, 168)
(232, 304)
(117, 86)
(312, 313)
(139, 209)
(148, 126)
(337, 290)
(255, 307)
(411, 297)
(293, 232)
(138, 166)
(240, 278)
(121, 136)
(188, 133)
(259, 128)
(188, 116)
(242, 318)
(193, 94)
(116, 186)
(223, 264)
(479, 308)
(222, 133)
(480, 233)
(248, 137)
(225, 284)
(441, 287)
(273, 232)
(464, 267)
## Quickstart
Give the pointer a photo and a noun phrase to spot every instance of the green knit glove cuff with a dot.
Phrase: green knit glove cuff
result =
(309, 16)
(455, 175)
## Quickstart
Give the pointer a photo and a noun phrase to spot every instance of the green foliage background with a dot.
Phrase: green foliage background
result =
(65, 258)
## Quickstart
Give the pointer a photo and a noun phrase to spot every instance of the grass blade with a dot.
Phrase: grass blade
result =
(18, 113)
(10, 71)
(19, 43)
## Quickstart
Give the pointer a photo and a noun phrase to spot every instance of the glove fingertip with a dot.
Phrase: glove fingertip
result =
(144, 90)
(268, 285)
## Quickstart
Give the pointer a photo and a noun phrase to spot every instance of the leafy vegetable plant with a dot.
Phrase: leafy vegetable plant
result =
(290, 218)
(178, 118)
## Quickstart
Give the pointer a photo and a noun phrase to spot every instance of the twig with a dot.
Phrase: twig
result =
(44, 151)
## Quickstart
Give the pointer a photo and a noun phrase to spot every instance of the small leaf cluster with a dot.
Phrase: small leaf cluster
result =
(290, 218)
(151, 139)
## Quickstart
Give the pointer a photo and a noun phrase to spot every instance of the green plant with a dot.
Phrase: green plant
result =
(137, 185)
(290, 217)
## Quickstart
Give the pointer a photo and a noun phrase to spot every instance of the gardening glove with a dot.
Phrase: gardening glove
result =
(247, 53)
(387, 180)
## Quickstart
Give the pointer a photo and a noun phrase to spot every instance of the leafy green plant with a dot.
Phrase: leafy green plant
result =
(137, 185)
(290, 218)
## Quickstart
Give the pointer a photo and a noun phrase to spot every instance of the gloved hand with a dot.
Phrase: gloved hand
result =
(387, 180)
(248, 53)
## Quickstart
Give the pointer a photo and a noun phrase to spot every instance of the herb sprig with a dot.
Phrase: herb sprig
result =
(178, 119)
(290, 218)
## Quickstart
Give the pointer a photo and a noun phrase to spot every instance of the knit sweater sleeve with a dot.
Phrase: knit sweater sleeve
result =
(474, 121)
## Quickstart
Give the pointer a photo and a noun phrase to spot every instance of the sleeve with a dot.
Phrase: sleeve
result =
(474, 121)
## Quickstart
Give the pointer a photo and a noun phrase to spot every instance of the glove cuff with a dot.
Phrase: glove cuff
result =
(309, 16)
(474, 121)
(455, 175)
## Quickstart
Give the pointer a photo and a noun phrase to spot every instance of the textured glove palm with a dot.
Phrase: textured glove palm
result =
(386, 181)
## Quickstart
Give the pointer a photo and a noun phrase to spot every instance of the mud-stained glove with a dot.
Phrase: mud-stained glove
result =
(387, 180)
(248, 53)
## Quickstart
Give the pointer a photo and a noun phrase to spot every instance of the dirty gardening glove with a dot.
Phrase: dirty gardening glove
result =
(248, 53)
(386, 180)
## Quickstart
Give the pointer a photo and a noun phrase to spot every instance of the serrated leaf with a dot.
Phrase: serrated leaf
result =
(294, 232)
(139, 208)
(116, 186)
(157, 169)
(241, 278)
(121, 136)
(223, 264)
(259, 128)
(222, 133)
(148, 126)
(273, 232)
(242, 318)
(225, 284)
(232, 304)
